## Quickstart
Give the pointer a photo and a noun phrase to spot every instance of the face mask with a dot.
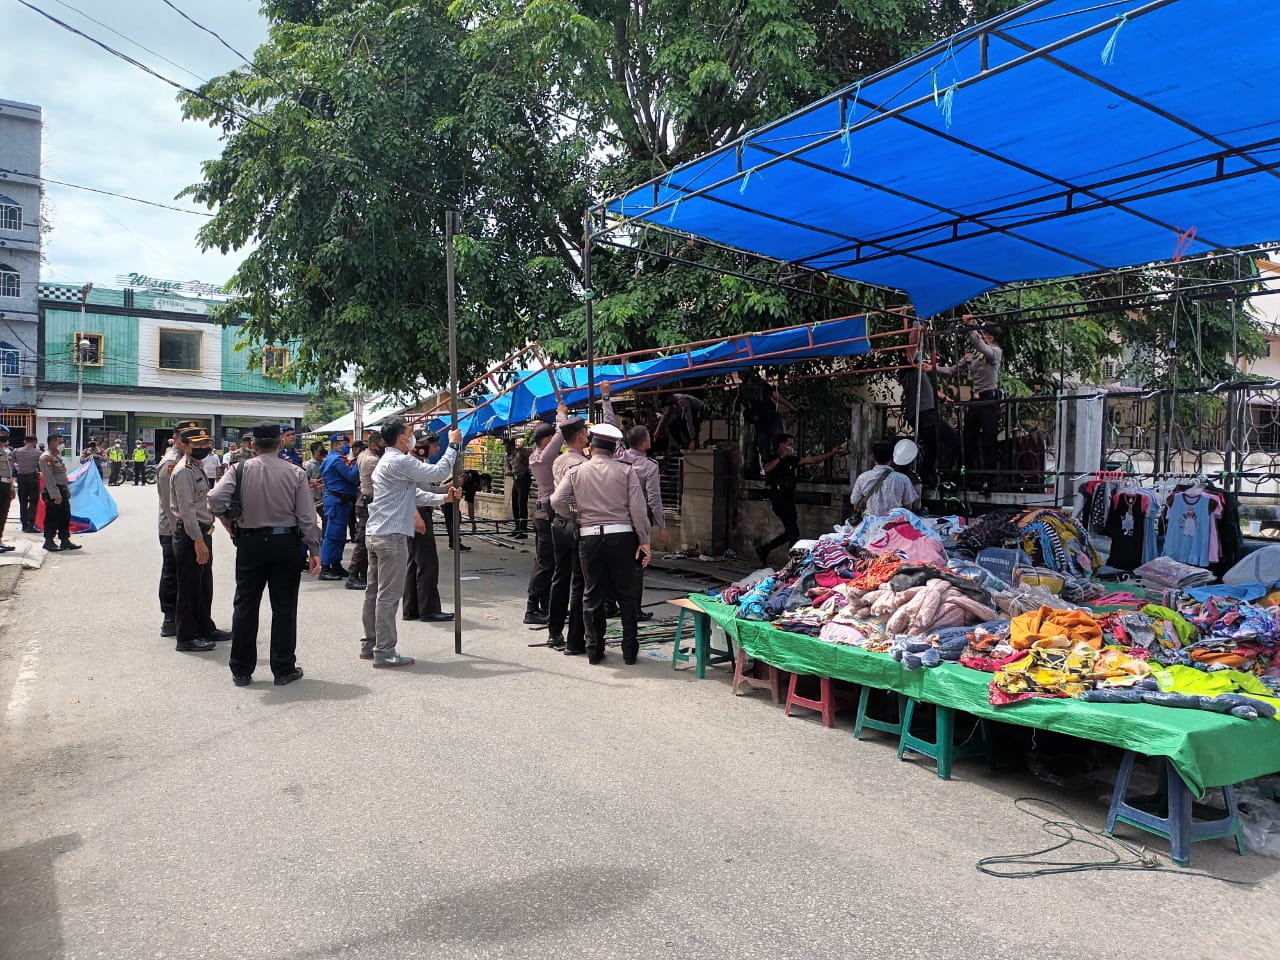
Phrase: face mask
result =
(346, 449)
(199, 453)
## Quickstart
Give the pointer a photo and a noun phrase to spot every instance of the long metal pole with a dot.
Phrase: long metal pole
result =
(76, 445)
(450, 226)
(590, 296)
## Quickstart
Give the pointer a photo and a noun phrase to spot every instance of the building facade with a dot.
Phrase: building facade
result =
(150, 360)
(20, 130)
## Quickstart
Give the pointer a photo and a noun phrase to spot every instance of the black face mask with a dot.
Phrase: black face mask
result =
(199, 453)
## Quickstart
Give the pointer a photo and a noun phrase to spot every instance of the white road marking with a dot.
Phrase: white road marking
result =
(23, 683)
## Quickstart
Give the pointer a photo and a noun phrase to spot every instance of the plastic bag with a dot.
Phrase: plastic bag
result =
(1260, 816)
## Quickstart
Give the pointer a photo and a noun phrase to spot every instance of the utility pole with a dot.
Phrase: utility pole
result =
(82, 349)
(450, 228)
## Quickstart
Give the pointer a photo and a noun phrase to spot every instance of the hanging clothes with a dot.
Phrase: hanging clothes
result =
(1127, 528)
(1191, 534)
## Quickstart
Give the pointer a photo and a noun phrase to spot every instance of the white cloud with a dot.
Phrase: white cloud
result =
(110, 125)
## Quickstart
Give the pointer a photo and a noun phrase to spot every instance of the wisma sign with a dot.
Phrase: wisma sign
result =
(193, 288)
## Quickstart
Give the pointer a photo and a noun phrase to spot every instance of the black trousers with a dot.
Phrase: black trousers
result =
(6, 495)
(360, 555)
(784, 508)
(194, 613)
(422, 575)
(271, 561)
(168, 578)
(116, 467)
(981, 428)
(520, 487)
(565, 601)
(544, 565)
(139, 473)
(927, 441)
(28, 494)
(450, 514)
(57, 516)
(609, 570)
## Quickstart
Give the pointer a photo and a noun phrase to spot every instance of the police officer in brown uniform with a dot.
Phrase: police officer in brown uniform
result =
(165, 525)
(193, 545)
(613, 537)
(57, 497)
(277, 516)
(547, 441)
(566, 581)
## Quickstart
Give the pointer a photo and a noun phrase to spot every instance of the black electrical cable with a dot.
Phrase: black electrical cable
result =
(107, 193)
(1122, 854)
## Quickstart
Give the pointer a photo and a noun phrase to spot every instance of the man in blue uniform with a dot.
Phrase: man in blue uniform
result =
(289, 445)
(341, 484)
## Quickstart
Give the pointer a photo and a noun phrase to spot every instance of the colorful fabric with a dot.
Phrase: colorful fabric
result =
(1188, 680)
(1045, 672)
(1042, 627)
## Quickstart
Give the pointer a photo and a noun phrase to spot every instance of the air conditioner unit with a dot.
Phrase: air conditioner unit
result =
(27, 380)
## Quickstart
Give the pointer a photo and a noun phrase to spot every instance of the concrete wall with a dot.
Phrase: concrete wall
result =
(20, 128)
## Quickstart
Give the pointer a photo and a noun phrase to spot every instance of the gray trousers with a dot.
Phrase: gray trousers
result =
(388, 558)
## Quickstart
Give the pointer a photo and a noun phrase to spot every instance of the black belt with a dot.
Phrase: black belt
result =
(269, 531)
(987, 394)
(181, 529)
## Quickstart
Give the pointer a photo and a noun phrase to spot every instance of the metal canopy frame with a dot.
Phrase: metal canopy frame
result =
(924, 244)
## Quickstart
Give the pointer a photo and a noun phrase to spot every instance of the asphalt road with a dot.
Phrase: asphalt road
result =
(509, 802)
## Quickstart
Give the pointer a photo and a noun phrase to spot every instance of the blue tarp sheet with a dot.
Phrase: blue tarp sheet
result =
(1132, 124)
(92, 506)
(536, 396)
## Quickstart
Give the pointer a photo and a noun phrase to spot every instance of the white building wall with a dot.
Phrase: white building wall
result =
(149, 372)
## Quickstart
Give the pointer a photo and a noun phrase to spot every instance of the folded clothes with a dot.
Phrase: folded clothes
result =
(1167, 572)
(1043, 626)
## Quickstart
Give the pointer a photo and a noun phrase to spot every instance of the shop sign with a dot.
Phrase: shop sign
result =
(195, 288)
(176, 305)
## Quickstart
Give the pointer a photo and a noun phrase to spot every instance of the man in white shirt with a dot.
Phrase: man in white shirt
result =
(879, 490)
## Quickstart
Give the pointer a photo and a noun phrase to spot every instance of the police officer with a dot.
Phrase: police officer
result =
(566, 580)
(289, 445)
(165, 525)
(547, 441)
(115, 456)
(193, 545)
(422, 576)
(57, 497)
(613, 532)
(368, 459)
(341, 483)
(276, 515)
(26, 462)
(140, 464)
(6, 484)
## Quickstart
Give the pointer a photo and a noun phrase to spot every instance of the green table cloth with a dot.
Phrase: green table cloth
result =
(1208, 749)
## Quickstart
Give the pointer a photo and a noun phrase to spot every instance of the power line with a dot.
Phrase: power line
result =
(129, 39)
(212, 33)
(107, 193)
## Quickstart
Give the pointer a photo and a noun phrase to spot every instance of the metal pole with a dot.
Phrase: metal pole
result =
(81, 344)
(589, 295)
(450, 226)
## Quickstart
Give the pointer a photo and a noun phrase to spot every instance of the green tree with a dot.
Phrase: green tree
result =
(326, 405)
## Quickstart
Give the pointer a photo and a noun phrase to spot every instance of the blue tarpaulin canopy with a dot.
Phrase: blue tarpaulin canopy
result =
(1063, 138)
(536, 392)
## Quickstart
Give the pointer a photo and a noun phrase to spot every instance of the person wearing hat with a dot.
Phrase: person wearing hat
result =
(276, 516)
(882, 488)
(396, 480)
(168, 566)
(7, 477)
(547, 441)
(193, 544)
(613, 537)
(289, 445)
(565, 601)
(365, 463)
(422, 576)
(982, 414)
(780, 472)
(139, 464)
(115, 456)
(26, 463)
(57, 497)
(341, 484)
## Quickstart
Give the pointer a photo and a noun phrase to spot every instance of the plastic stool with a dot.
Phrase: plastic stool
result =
(824, 705)
(1178, 826)
(943, 748)
(704, 654)
(772, 683)
(885, 726)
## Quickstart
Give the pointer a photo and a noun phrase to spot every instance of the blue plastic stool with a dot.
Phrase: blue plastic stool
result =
(942, 748)
(871, 723)
(1178, 826)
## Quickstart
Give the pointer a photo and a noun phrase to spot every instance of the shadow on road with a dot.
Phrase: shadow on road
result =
(507, 911)
(30, 919)
(309, 688)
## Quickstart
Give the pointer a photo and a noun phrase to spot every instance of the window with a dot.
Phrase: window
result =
(182, 350)
(10, 214)
(92, 353)
(8, 359)
(274, 360)
(10, 281)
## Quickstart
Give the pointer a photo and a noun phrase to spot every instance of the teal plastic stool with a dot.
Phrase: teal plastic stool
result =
(871, 723)
(704, 654)
(942, 748)
(1178, 825)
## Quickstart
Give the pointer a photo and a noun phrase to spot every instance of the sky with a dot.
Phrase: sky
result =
(109, 125)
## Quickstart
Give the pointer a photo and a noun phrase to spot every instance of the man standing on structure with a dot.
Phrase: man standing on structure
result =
(982, 415)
